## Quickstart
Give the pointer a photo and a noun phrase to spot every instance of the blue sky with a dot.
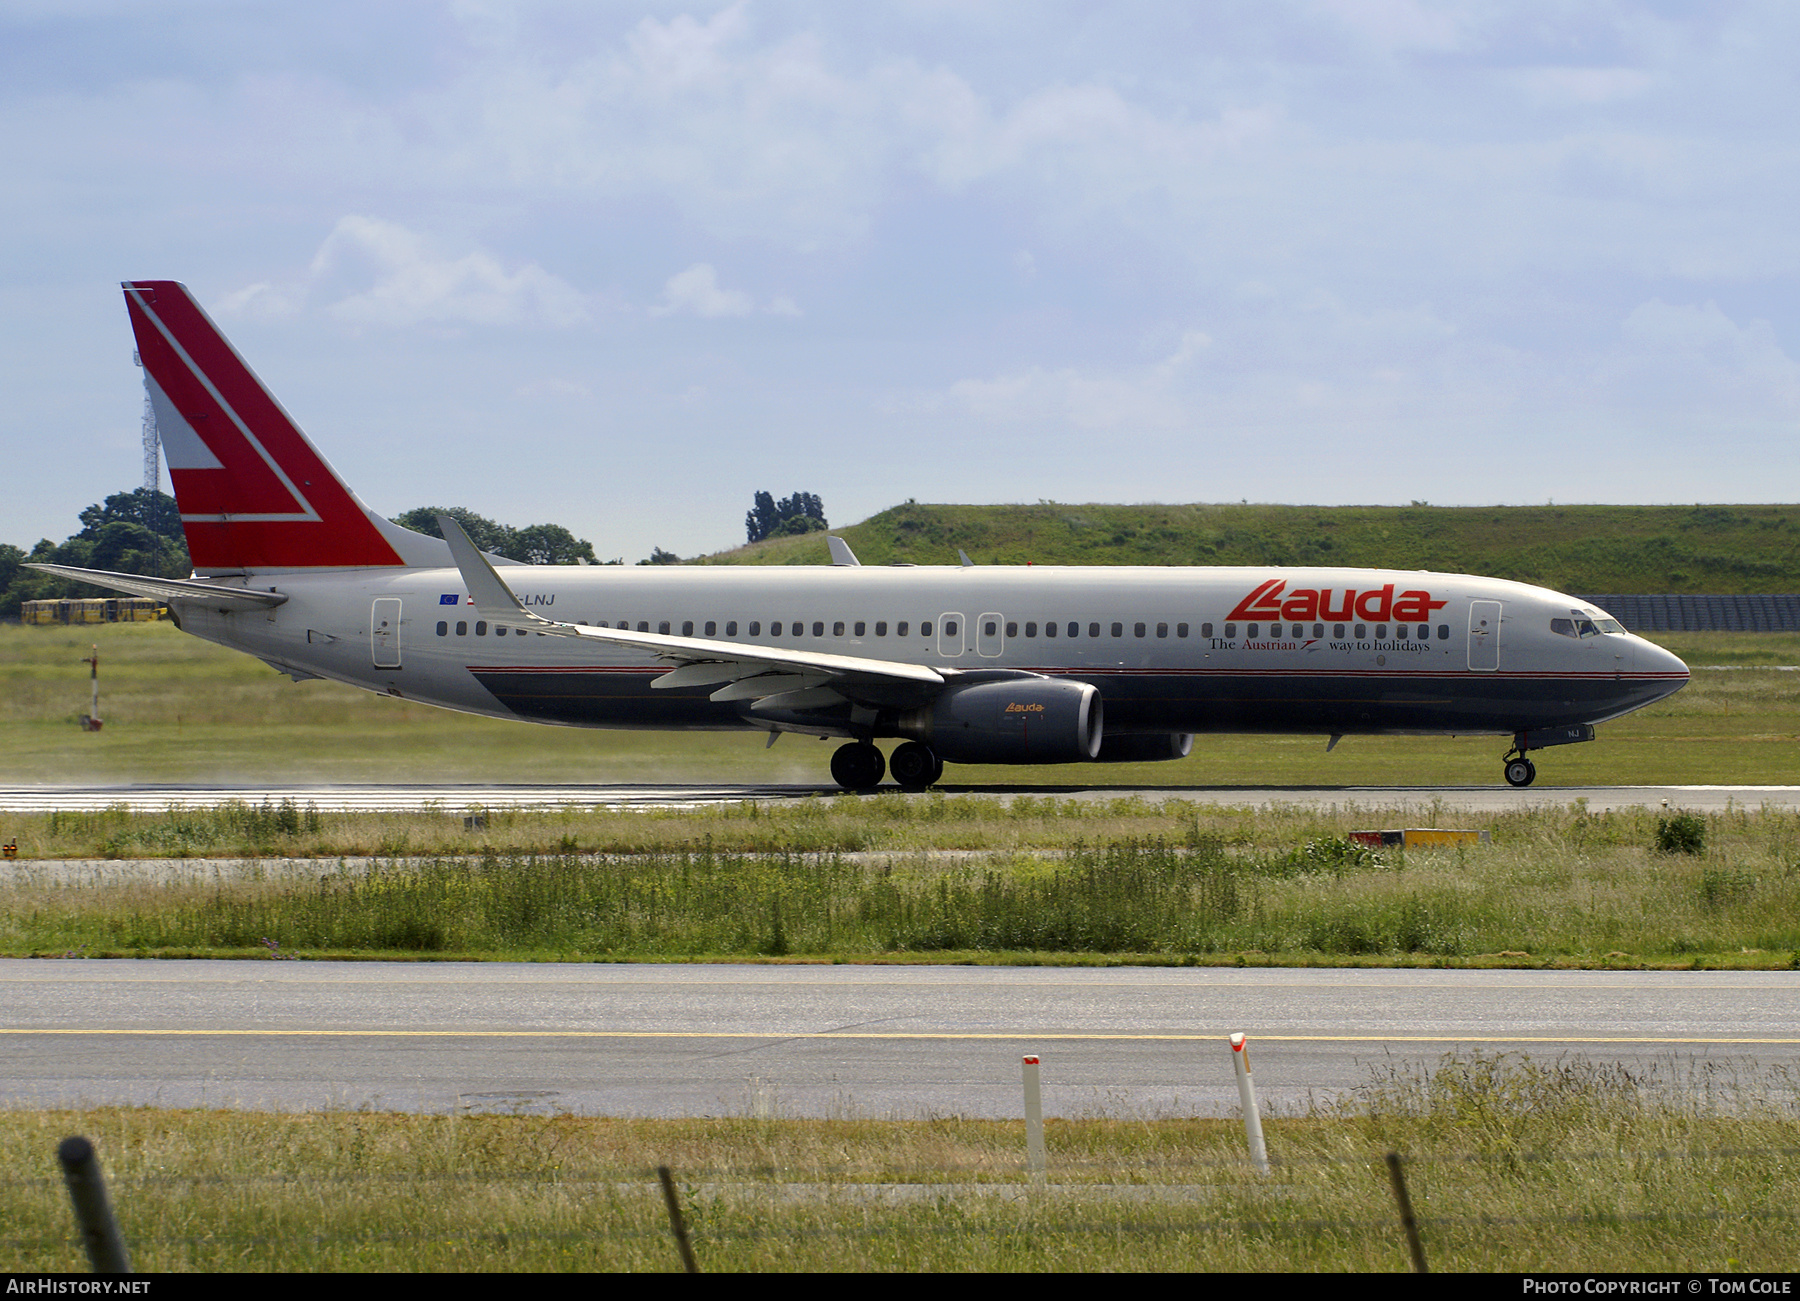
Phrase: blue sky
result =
(619, 266)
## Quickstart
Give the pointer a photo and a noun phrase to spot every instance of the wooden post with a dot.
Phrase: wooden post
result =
(1408, 1220)
(93, 1213)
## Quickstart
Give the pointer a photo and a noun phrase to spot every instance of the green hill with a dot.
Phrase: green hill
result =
(1722, 549)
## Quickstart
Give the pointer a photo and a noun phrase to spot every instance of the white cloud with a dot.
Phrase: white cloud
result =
(381, 273)
(414, 284)
(697, 291)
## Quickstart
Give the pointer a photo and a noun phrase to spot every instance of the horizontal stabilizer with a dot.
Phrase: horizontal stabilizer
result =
(218, 596)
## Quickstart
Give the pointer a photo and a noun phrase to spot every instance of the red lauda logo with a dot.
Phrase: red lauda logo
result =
(1378, 606)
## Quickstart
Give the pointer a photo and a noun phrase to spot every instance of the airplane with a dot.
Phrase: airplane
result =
(960, 664)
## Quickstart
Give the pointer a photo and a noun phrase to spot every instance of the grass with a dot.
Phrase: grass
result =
(1512, 1165)
(179, 709)
(859, 880)
(1592, 549)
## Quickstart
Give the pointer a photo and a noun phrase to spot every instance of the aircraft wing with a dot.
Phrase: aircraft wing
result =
(219, 596)
(768, 676)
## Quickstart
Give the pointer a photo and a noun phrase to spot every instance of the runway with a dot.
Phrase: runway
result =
(862, 1041)
(461, 798)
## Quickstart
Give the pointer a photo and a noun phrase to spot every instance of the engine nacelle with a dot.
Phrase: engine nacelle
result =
(1016, 720)
(1155, 747)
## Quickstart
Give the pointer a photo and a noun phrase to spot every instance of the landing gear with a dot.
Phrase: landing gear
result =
(915, 766)
(858, 766)
(1520, 771)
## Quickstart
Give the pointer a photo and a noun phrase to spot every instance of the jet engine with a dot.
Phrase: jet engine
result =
(1015, 720)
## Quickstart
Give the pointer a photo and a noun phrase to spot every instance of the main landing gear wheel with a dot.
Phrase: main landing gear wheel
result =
(915, 767)
(858, 766)
(1520, 772)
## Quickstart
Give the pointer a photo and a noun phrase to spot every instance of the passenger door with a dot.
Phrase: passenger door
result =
(1484, 636)
(384, 632)
(990, 638)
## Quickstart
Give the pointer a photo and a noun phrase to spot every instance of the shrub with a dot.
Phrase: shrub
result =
(1685, 833)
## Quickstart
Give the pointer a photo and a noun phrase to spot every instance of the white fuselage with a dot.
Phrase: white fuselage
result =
(1161, 645)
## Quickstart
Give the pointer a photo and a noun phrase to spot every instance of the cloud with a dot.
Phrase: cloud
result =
(697, 291)
(380, 273)
(413, 284)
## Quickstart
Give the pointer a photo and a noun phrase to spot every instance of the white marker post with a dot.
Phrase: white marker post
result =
(1240, 1058)
(1034, 1121)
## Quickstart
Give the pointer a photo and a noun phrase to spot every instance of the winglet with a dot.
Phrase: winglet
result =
(493, 598)
(964, 557)
(841, 554)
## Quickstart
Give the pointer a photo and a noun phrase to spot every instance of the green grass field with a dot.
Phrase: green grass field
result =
(1719, 549)
(1512, 1165)
(180, 709)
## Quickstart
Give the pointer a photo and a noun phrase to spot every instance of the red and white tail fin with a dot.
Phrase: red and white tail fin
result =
(253, 492)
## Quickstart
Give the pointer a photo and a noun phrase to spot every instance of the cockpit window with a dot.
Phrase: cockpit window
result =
(1581, 626)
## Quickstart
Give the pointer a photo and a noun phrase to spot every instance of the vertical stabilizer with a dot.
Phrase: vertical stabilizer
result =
(253, 492)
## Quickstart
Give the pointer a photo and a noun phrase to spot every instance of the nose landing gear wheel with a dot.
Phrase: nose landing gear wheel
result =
(857, 766)
(915, 766)
(1520, 772)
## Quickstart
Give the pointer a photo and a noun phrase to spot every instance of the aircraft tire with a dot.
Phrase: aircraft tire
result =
(857, 766)
(915, 766)
(1520, 772)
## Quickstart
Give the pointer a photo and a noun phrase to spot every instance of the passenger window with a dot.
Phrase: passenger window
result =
(774, 630)
(1400, 631)
(712, 629)
(443, 628)
(989, 627)
(949, 627)
(1318, 630)
(731, 628)
(858, 630)
(462, 628)
(1030, 629)
(881, 628)
(662, 628)
(837, 629)
(925, 628)
(1049, 630)
(1362, 630)
(1251, 630)
(480, 628)
(1162, 630)
(1074, 629)
(1380, 631)
(1012, 630)
(1231, 630)
(756, 628)
(687, 627)
(1181, 630)
(1337, 630)
(1424, 631)
(1443, 632)
(643, 626)
(900, 629)
(499, 630)
(818, 627)
(1093, 630)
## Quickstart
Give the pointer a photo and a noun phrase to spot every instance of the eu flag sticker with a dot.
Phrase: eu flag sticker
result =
(451, 599)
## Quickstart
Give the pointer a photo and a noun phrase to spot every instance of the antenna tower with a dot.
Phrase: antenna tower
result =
(152, 468)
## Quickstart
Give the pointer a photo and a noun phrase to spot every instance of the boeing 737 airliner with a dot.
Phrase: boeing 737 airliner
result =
(962, 664)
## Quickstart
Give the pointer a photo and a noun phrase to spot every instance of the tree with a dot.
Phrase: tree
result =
(535, 544)
(801, 513)
(660, 557)
(137, 532)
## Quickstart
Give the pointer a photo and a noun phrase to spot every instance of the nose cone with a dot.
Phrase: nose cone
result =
(1661, 665)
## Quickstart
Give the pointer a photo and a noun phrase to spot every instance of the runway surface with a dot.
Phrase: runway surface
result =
(877, 1041)
(459, 799)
